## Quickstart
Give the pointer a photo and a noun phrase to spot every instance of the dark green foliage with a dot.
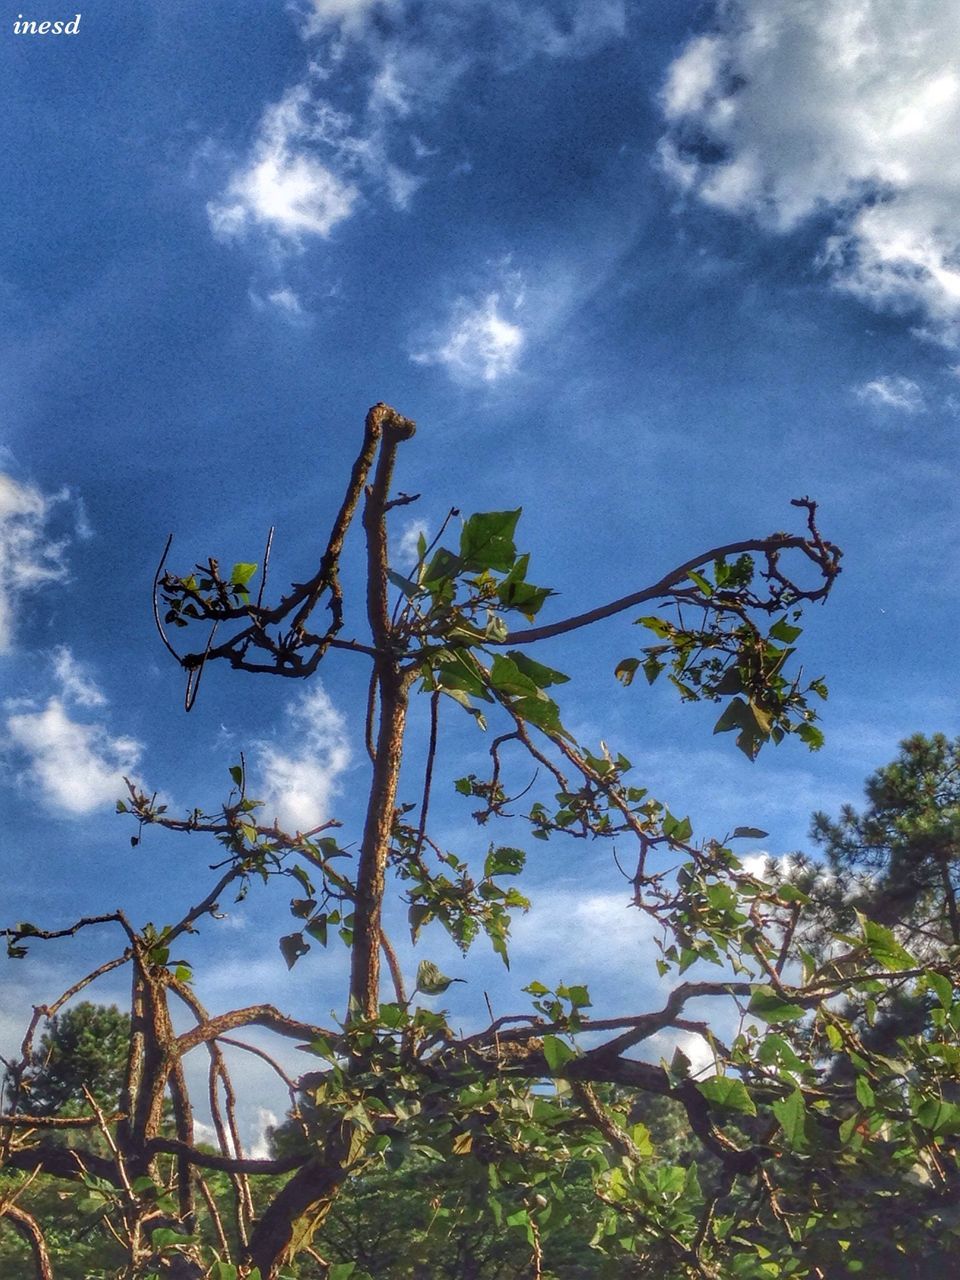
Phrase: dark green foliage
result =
(83, 1047)
(899, 860)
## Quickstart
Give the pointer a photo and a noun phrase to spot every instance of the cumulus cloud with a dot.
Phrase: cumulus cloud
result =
(892, 392)
(76, 767)
(850, 110)
(283, 186)
(482, 340)
(30, 554)
(692, 1045)
(260, 1148)
(298, 786)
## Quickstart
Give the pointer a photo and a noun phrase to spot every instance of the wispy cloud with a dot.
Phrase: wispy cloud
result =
(311, 164)
(298, 785)
(783, 112)
(282, 186)
(76, 683)
(483, 338)
(349, 14)
(892, 392)
(604, 935)
(404, 549)
(31, 556)
(571, 28)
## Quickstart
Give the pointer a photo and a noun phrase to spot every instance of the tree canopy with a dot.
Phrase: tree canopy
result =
(802, 1127)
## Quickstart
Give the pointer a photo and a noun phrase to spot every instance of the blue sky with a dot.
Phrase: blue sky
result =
(647, 270)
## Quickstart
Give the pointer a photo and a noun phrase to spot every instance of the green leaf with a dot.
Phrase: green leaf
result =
(753, 726)
(748, 833)
(884, 947)
(942, 986)
(556, 1052)
(409, 589)
(791, 1113)
(864, 1092)
(444, 565)
(236, 773)
(578, 996)
(774, 1048)
(678, 829)
(486, 541)
(652, 668)
(241, 573)
(514, 592)
(541, 711)
(317, 928)
(302, 908)
(939, 1116)
(541, 676)
(341, 1270)
(506, 677)
(292, 947)
(626, 670)
(504, 861)
(702, 583)
(790, 893)
(656, 625)
(418, 915)
(728, 1092)
(783, 631)
(811, 735)
(165, 1237)
(766, 1004)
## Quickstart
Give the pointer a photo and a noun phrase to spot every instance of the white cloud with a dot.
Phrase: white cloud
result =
(30, 556)
(283, 186)
(765, 866)
(309, 162)
(298, 786)
(695, 1048)
(76, 767)
(573, 29)
(286, 300)
(260, 1146)
(76, 683)
(482, 341)
(346, 13)
(788, 111)
(405, 547)
(563, 28)
(892, 392)
(603, 934)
